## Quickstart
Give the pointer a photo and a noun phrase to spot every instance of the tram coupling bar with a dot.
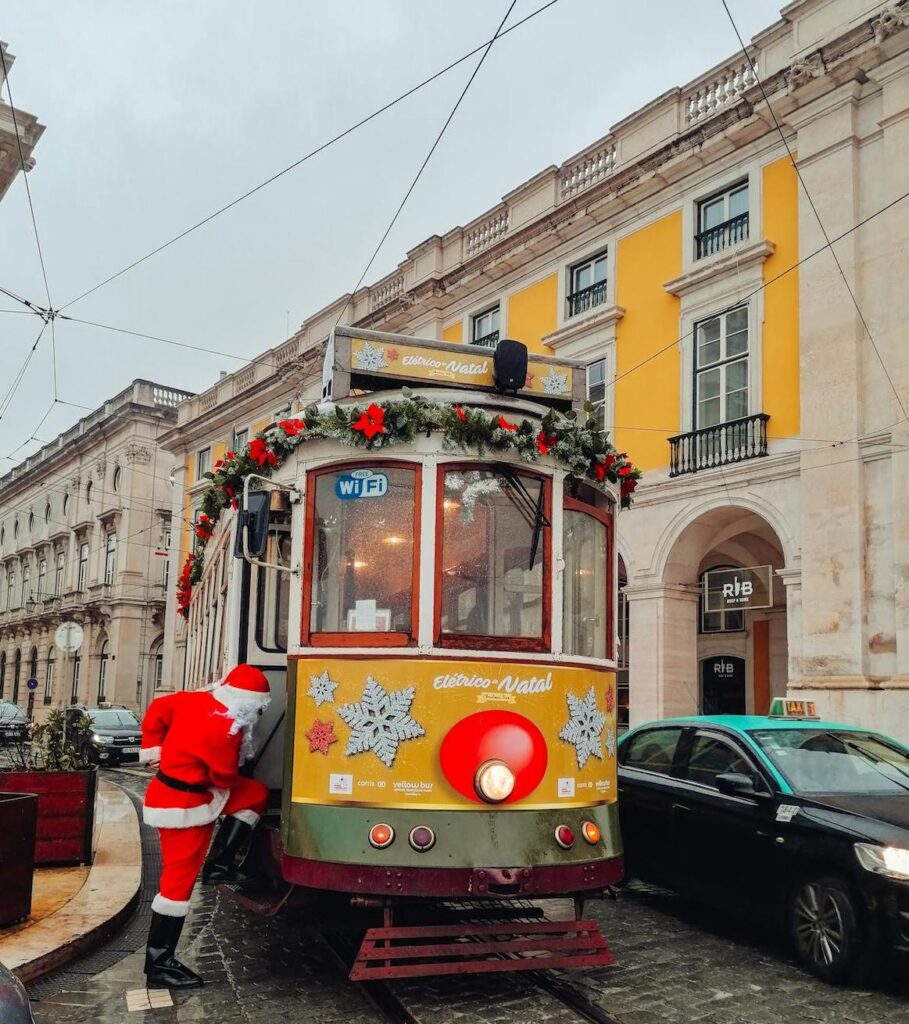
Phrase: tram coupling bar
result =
(367, 902)
(502, 881)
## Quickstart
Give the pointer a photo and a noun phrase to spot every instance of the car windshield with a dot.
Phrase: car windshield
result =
(831, 761)
(114, 720)
(11, 713)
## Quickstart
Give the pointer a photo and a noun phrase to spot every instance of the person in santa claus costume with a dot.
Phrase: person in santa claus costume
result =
(197, 741)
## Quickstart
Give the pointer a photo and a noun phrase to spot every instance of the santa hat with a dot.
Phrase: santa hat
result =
(243, 684)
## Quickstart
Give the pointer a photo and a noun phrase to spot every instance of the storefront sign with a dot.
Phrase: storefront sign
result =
(728, 590)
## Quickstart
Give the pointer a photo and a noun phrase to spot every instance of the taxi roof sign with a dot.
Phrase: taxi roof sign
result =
(784, 707)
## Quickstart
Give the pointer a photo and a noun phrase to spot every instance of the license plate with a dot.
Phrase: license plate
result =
(130, 750)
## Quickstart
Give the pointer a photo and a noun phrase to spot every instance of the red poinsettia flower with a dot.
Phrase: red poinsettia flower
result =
(218, 464)
(392, 354)
(204, 527)
(505, 425)
(232, 494)
(228, 456)
(545, 442)
(372, 421)
(628, 486)
(626, 470)
(292, 427)
(601, 465)
(261, 454)
(461, 414)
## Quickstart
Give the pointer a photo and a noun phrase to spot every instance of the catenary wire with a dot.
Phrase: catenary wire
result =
(17, 380)
(308, 156)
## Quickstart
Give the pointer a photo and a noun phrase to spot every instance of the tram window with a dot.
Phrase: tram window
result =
(586, 625)
(273, 595)
(493, 558)
(362, 548)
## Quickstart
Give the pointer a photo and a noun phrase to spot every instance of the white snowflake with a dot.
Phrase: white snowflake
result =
(555, 383)
(322, 689)
(379, 721)
(584, 728)
(610, 742)
(371, 357)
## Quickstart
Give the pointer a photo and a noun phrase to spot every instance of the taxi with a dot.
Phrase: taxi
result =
(783, 813)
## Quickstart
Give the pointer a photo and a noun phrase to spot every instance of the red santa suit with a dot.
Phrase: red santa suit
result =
(196, 740)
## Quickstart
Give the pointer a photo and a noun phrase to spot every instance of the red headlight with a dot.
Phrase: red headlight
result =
(381, 835)
(564, 837)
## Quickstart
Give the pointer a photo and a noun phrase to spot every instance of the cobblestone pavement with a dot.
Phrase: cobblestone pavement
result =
(674, 963)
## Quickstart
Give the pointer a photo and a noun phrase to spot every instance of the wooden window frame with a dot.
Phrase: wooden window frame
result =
(394, 638)
(483, 641)
(606, 517)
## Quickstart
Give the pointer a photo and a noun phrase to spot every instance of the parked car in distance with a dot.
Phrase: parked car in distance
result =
(13, 723)
(808, 820)
(14, 1005)
(116, 733)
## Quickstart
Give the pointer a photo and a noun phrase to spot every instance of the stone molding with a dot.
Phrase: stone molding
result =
(137, 454)
(802, 71)
(890, 21)
(578, 327)
(732, 263)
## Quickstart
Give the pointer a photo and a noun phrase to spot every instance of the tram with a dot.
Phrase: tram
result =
(424, 565)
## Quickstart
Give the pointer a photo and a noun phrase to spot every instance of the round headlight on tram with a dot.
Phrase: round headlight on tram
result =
(381, 835)
(494, 781)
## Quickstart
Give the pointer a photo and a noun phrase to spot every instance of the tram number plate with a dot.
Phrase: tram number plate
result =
(362, 483)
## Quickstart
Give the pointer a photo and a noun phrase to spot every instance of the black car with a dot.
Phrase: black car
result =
(13, 723)
(805, 819)
(116, 734)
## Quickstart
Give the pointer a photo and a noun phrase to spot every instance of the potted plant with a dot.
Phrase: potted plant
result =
(56, 768)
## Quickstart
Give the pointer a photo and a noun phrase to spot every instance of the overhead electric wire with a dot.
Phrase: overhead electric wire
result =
(814, 210)
(17, 380)
(308, 156)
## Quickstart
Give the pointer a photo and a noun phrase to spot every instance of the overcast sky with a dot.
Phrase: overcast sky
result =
(158, 113)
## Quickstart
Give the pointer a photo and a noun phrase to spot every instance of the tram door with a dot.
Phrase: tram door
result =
(723, 685)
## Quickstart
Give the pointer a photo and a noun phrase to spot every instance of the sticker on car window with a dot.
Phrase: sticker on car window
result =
(786, 812)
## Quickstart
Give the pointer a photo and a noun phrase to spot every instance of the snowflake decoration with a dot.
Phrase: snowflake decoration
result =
(370, 357)
(555, 383)
(584, 728)
(610, 742)
(321, 735)
(379, 721)
(322, 689)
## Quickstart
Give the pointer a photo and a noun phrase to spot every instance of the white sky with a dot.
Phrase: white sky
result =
(159, 113)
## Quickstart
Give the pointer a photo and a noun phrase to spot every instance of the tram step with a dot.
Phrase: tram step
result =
(408, 952)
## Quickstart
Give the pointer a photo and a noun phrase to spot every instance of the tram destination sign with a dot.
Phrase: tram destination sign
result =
(376, 361)
(728, 590)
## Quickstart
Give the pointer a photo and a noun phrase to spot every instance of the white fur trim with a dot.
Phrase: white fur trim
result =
(170, 908)
(235, 693)
(147, 754)
(249, 817)
(187, 817)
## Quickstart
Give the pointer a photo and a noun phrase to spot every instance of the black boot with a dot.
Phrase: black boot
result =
(162, 968)
(219, 865)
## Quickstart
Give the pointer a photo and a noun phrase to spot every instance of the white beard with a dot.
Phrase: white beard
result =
(243, 713)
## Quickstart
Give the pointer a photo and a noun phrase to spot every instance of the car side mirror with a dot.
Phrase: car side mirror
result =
(255, 520)
(737, 784)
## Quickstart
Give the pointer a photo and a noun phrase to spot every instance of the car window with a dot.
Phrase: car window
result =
(652, 750)
(114, 720)
(11, 712)
(711, 756)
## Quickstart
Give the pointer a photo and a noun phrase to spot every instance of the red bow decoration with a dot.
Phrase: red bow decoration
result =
(372, 421)
(505, 425)
(229, 491)
(261, 454)
(545, 442)
(292, 427)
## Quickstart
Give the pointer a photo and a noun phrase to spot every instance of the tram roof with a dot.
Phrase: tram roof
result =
(360, 360)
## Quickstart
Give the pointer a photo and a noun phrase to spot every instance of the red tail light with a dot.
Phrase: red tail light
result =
(564, 837)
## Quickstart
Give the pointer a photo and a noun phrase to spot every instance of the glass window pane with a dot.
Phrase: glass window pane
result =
(737, 320)
(596, 374)
(712, 213)
(709, 384)
(736, 375)
(736, 408)
(363, 553)
(709, 413)
(494, 320)
(586, 554)
(708, 336)
(652, 750)
(582, 277)
(489, 586)
(599, 270)
(710, 757)
(738, 202)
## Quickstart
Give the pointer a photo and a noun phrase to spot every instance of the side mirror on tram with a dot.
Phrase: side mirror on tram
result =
(737, 784)
(254, 522)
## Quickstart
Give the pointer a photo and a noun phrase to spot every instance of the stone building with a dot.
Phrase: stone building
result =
(759, 379)
(84, 535)
(29, 133)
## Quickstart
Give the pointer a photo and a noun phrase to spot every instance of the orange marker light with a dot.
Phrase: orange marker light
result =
(381, 836)
(591, 832)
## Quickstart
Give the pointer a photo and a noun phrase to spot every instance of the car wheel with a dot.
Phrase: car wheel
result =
(826, 926)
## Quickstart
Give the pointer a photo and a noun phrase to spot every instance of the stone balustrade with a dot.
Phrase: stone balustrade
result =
(719, 90)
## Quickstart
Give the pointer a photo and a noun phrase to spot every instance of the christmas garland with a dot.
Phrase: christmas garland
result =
(582, 447)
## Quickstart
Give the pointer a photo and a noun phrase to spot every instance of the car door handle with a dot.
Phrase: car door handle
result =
(681, 807)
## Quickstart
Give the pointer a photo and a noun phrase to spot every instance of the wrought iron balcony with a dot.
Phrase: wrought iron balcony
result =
(730, 232)
(586, 298)
(721, 445)
(488, 340)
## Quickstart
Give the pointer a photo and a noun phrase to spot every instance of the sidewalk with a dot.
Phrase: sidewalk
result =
(76, 917)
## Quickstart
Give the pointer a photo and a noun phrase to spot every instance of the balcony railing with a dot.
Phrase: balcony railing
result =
(722, 236)
(488, 340)
(586, 298)
(721, 445)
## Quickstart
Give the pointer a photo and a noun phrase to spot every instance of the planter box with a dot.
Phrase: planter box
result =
(18, 817)
(66, 812)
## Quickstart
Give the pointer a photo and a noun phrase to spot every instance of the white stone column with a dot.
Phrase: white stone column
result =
(663, 634)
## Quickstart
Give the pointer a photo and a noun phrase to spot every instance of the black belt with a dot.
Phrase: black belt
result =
(184, 787)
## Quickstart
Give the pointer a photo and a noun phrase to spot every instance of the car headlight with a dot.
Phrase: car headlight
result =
(494, 781)
(104, 740)
(892, 861)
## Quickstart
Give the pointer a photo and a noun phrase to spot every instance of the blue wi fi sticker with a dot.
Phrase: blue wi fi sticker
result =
(361, 483)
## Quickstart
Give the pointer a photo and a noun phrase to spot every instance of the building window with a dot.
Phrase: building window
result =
(49, 676)
(240, 440)
(65, 502)
(110, 558)
(2, 673)
(721, 368)
(158, 673)
(88, 493)
(722, 220)
(484, 328)
(42, 579)
(587, 284)
(31, 522)
(732, 621)
(10, 589)
(47, 512)
(17, 671)
(203, 462)
(58, 574)
(16, 529)
(2, 535)
(103, 660)
(26, 585)
(596, 389)
(165, 568)
(83, 566)
(118, 474)
(33, 664)
(77, 671)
